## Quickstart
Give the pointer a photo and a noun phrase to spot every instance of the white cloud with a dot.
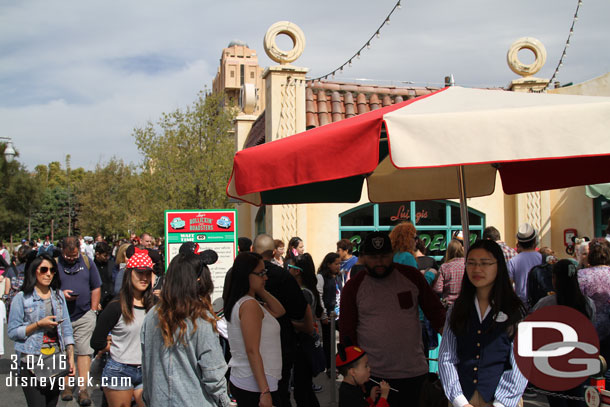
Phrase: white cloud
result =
(76, 77)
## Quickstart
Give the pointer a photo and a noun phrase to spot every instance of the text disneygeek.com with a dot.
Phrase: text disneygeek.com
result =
(69, 381)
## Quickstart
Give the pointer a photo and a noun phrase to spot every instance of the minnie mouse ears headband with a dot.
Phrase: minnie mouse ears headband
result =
(153, 254)
(207, 256)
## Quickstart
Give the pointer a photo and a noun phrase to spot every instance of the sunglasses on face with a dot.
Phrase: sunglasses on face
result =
(45, 270)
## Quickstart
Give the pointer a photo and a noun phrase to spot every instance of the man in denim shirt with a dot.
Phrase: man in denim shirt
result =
(80, 283)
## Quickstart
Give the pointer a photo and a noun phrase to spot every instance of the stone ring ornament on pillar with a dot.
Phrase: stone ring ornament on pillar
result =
(533, 45)
(291, 30)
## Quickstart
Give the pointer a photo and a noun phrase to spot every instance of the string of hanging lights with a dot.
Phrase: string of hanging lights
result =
(367, 45)
(565, 48)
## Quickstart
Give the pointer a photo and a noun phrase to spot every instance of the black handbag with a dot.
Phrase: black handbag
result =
(50, 366)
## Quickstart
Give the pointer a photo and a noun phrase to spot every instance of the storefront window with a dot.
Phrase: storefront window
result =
(436, 222)
(362, 216)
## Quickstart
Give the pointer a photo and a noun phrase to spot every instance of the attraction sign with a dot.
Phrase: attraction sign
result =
(214, 229)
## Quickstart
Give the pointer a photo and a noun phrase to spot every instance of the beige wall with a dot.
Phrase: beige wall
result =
(570, 208)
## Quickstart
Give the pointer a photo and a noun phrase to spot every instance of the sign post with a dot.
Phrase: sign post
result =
(214, 229)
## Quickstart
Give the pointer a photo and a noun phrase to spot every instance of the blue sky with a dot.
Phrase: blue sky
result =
(76, 77)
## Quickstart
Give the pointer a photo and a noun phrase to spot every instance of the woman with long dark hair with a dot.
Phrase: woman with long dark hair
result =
(476, 362)
(327, 272)
(303, 270)
(39, 323)
(123, 319)
(296, 247)
(182, 361)
(254, 334)
(567, 293)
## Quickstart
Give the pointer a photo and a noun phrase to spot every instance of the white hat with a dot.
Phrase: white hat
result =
(526, 233)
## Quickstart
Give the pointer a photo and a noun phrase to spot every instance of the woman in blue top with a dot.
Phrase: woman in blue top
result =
(39, 323)
(476, 362)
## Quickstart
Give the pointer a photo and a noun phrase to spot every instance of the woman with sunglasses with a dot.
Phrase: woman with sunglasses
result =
(122, 319)
(254, 334)
(476, 362)
(183, 363)
(39, 323)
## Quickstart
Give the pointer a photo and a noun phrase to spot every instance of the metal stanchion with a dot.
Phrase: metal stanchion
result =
(333, 364)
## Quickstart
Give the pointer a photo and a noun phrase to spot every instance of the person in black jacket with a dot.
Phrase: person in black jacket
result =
(540, 278)
(327, 278)
(353, 364)
(105, 265)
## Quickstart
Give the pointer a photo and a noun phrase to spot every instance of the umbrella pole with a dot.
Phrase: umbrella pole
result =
(463, 207)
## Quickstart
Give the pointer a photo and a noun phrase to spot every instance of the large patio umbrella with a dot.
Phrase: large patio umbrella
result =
(448, 144)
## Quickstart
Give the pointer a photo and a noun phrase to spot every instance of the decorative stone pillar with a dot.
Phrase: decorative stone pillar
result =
(533, 207)
(284, 116)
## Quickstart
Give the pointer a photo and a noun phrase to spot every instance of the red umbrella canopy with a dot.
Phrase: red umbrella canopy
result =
(410, 151)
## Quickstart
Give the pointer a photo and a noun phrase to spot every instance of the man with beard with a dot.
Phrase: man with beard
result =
(379, 313)
(80, 282)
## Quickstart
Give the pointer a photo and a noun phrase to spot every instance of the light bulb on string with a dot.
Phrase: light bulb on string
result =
(358, 55)
(399, 6)
(350, 63)
(378, 34)
(368, 45)
(387, 21)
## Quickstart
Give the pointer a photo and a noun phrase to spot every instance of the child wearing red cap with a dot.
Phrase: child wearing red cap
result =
(353, 364)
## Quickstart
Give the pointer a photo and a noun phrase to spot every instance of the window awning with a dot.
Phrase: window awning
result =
(597, 190)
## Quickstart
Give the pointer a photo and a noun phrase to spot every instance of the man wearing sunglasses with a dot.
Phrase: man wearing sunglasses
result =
(80, 282)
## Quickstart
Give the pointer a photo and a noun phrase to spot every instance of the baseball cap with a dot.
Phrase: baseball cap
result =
(140, 260)
(376, 243)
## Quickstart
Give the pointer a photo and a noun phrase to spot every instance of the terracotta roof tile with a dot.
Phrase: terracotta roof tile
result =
(327, 102)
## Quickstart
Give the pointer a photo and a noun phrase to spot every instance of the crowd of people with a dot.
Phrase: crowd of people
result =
(162, 341)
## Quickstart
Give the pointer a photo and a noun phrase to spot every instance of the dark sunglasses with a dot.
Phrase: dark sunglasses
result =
(45, 270)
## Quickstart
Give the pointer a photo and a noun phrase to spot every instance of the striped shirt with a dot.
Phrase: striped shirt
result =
(511, 385)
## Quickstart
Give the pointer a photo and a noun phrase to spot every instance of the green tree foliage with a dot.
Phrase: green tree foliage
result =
(109, 199)
(57, 213)
(187, 160)
(19, 194)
